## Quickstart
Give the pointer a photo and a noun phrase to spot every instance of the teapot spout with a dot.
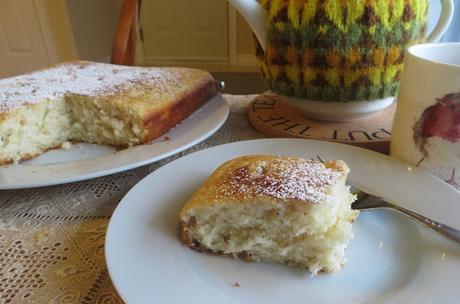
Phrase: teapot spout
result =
(255, 16)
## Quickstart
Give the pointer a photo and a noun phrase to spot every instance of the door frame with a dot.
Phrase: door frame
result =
(235, 59)
(53, 42)
(234, 63)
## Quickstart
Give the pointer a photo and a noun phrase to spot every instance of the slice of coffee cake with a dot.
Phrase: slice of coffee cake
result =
(274, 209)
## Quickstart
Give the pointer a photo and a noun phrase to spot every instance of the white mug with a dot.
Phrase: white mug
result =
(426, 130)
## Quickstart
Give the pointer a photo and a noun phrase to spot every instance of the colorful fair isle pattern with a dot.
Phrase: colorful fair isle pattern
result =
(339, 50)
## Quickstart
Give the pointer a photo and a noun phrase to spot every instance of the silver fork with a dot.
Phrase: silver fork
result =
(366, 201)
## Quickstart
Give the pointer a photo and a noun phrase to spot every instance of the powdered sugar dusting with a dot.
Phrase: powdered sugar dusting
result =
(82, 78)
(283, 178)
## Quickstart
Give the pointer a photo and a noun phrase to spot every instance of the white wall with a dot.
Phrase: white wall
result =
(94, 25)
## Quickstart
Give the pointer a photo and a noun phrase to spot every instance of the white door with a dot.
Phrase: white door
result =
(22, 45)
(184, 30)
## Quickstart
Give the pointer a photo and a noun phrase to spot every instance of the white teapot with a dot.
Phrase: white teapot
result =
(334, 59)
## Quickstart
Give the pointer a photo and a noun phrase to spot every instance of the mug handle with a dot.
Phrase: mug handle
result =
(443, 23)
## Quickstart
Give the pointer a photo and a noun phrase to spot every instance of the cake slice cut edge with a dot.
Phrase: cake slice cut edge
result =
(273, 209)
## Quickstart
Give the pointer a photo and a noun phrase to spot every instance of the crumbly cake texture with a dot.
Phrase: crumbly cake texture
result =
(95, 103)
(339, 50)
(274, 209)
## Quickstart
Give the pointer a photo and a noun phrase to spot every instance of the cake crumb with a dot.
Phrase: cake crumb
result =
(166, 138)
(236, 284)
(381, 244)
(443, 256)
(66, 145)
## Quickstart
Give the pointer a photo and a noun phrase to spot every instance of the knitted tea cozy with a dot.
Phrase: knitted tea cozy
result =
(339, 50)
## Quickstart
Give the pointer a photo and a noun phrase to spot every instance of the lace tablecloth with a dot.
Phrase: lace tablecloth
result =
(52, 238)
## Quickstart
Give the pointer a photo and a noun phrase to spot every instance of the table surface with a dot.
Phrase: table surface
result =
(52, 238)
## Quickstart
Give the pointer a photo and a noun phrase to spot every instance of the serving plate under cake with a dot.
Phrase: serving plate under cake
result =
(86, 161)
(390, 259)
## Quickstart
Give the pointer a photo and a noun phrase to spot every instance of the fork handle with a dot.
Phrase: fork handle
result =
(447, 231)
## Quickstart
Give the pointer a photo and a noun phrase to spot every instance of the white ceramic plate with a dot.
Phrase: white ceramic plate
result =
(85, 161)
(390, 260)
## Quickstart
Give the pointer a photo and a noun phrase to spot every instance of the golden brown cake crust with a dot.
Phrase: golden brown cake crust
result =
(141, 89)
(274, 178)
(162, 120)
(120, 85)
